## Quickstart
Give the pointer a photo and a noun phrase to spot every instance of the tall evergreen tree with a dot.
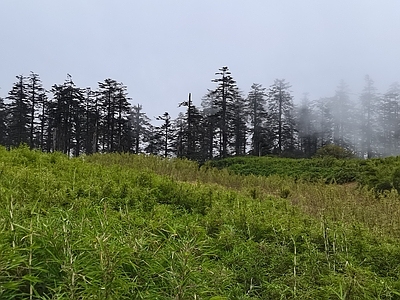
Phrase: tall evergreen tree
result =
(166, 133)
(91, 117)
(124, 132)
(3, 122)
(341, 111)
(35, 94)
(179, 142)
(78, 141)
(389, 120)
(18, 113)
(140, 124)
(239, 124)
(190, 130)
(209, 126)
(44, 123)
(196, 133)
(368, 100)
(153, 141)
(305, 120)
(280, 116)
(323, 122)
(115, 109)
(256, 106)
(224, 98)
(66, 114)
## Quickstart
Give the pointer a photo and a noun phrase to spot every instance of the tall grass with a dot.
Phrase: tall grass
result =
(349, 203)
(134, 227)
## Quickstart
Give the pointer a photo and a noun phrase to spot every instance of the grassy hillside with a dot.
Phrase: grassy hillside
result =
(136, 227)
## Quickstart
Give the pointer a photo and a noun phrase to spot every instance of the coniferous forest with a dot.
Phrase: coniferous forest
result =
(76, 120)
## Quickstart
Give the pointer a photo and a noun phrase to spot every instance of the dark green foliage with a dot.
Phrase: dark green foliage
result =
(230, 122)
(18, 113)
(334, 151)
(256, 106)
(165, 133)
(191, 132)
(36, 99)
(280, 118)
(77, 121)
(378, 174)
(140, 127)
(114, 109)
(328, 170)
(396, 179)
(66, 119)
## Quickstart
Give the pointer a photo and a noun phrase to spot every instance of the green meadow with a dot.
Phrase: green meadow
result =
(121, 226)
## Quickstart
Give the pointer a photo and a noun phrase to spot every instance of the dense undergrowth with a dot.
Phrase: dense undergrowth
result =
(328, 170)
(135, 227)
(380, 174)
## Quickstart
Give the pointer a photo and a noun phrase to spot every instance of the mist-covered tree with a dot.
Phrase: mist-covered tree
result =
(256, 107)
(209, 141)
(368, 118)
(306, 126)
(389, 121)
(239, 125)
(280, 119)
(179, 142)
(18, 119)
(341, 110)
(323, 122)
(140, 124)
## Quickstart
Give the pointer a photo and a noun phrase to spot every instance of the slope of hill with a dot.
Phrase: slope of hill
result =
(135, 227)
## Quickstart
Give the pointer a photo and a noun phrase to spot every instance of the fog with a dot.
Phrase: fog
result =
(162, 50)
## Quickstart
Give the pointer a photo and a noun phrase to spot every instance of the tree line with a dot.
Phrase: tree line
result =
(78, 121)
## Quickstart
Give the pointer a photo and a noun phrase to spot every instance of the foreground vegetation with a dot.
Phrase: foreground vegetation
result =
(137, 227)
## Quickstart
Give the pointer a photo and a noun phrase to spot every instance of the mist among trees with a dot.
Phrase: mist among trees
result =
(266, 121)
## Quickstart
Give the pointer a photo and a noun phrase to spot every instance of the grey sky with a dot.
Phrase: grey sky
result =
(164, 49)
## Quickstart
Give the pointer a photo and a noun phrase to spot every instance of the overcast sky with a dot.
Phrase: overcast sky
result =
(162, 50)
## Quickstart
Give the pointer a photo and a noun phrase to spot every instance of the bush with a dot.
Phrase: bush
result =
(396, 179)
(335, 151)
(327, 169)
